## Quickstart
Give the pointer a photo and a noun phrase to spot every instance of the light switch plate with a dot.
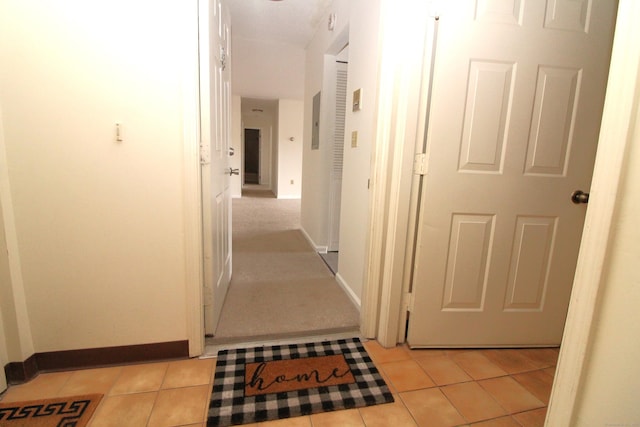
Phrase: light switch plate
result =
(354, 139)
(357, 100)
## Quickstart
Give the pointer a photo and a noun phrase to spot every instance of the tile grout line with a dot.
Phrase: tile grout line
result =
(58, 392)
(157, 395)
(455, 407)
(212, 375)
(104, 397)
(415, 421)
(507, 412)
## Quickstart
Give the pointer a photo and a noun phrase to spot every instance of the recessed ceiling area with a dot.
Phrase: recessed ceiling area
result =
(284, 21)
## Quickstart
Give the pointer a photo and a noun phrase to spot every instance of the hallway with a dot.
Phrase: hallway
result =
(280, 287)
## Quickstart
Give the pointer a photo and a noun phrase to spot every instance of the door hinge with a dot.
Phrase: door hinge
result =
(205, 155)
(407, 302)
(420, 164)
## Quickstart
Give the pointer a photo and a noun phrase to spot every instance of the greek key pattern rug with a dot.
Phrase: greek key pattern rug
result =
(268, 383)
(72, 411)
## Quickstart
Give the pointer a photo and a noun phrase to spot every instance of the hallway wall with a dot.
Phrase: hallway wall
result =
(99, 224)
(289, 153)
(357, 24)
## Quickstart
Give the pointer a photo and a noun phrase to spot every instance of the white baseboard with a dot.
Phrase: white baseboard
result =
(352, 296)
(319, 249)
(289, 197)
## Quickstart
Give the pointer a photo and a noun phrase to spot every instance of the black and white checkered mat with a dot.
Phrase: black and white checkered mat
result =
(229, 406)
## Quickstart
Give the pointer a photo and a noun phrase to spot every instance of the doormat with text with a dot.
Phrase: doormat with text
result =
(267, 383)
(64, 411)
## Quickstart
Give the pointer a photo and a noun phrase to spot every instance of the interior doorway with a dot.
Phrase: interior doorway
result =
(251, 156)
(280, 288)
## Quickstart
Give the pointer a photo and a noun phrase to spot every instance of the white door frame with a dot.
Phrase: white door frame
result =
(616, 132)
(403, 93)
(194, 280)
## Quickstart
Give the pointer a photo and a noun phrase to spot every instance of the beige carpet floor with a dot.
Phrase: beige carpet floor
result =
(280, 286)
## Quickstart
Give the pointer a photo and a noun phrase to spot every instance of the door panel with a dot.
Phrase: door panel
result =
(530, 261)
(470, 244)
(515, 111)
(215, 131)
(556, 97)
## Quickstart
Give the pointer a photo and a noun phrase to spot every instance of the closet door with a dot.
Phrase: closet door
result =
(337, 155)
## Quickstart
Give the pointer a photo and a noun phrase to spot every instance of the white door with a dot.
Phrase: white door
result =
(215, 98)
(515, 115)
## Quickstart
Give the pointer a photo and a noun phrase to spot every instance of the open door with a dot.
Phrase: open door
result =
(215, 116)
(515, 114)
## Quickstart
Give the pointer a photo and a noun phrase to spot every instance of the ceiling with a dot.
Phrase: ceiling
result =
(286, 21)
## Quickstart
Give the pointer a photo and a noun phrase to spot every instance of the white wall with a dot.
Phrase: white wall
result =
(361, 19)
(267, 70)
(289, 153)
(274, 149)
(13, 304)
(99, 224)
(363, 74)
(315, 163)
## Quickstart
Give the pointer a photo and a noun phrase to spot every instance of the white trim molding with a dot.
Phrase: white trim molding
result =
(317, 248)
(192, 188)
(398, 124)
(352, 296)
(621, 104)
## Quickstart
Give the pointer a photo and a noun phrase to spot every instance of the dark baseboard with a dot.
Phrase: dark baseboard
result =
(20, 372)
